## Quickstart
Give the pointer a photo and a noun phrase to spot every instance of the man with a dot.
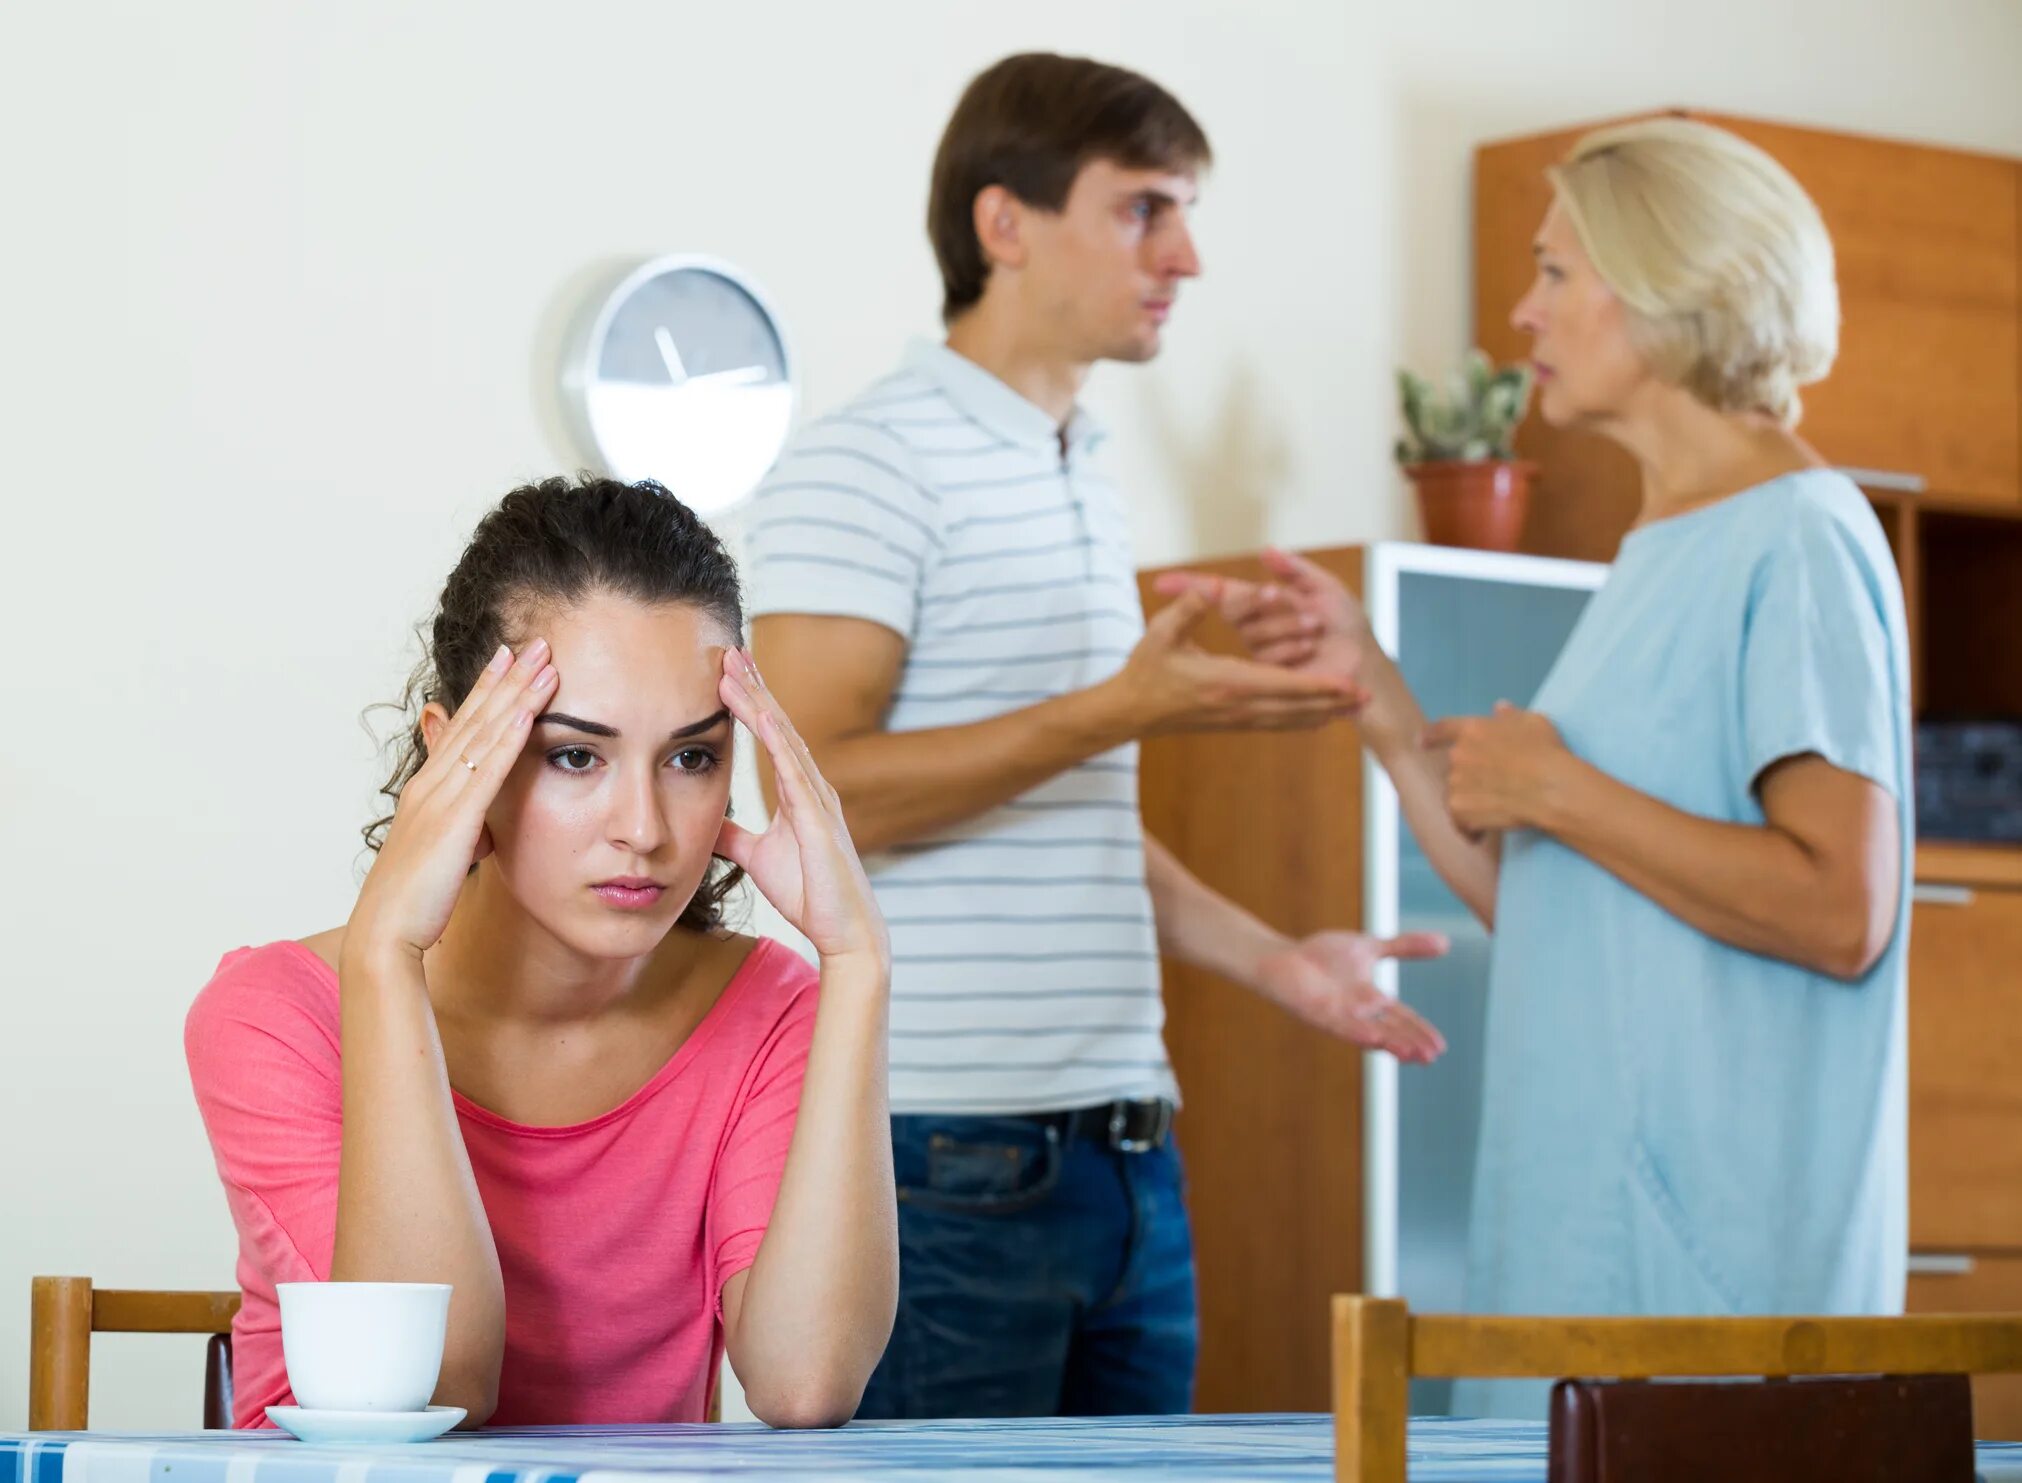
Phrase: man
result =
(945, 602)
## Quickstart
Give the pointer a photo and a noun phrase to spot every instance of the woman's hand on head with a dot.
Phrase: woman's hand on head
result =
(804, 862)
(438, 829)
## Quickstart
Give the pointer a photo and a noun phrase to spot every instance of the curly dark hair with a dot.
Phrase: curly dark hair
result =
(557, 542)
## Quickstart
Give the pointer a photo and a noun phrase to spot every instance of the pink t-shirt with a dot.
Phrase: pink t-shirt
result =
(615, 1235)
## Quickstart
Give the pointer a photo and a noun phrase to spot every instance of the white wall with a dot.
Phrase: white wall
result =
(276, 279)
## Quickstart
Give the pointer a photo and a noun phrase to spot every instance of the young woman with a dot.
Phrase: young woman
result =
(533, 1063)
(1692, 850)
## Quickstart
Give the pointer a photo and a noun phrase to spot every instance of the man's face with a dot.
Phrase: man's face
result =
(1104, 270)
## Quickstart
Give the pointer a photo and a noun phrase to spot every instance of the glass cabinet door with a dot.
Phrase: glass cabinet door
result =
(1467, 629)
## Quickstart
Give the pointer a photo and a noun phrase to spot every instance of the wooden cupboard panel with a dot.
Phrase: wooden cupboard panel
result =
(1929, 375)
(1965, 1046)
(1969, 864)
(1991, 1284)
(1271, 1129)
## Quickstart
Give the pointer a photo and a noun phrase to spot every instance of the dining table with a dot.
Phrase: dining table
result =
(1190, 1449)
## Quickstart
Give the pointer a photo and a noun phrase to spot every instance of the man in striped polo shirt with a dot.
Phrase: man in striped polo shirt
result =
(945, 600)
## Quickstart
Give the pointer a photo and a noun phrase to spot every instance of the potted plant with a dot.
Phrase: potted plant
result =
(1472, 490)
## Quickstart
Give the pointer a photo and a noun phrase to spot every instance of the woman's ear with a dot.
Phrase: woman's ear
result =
(434, 721)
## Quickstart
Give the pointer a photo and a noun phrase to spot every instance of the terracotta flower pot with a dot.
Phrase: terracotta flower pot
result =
(1479, 503)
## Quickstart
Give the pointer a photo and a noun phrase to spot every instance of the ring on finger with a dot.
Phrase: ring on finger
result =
(467, 762)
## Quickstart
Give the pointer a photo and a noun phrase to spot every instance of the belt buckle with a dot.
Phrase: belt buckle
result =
(1119, 1122)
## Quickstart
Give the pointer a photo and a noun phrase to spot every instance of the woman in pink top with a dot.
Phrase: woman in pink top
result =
(533, 1063)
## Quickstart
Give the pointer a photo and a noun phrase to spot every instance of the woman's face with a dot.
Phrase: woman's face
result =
(606, 825)
(1587, 368)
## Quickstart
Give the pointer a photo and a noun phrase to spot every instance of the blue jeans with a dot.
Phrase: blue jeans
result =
(1039, 1275)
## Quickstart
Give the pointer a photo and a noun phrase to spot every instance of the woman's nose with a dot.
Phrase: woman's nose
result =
(636, 821)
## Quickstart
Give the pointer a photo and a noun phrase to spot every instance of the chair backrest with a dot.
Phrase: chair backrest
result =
(64, 1312)
(1379, 1344)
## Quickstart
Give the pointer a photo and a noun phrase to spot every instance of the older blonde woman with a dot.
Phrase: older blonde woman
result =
(1691, 850)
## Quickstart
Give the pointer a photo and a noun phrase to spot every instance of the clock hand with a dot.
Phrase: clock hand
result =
(742, 376)
(668, 353)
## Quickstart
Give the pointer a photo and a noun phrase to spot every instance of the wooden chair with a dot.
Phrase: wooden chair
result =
(1379, 1344)
(64, 1312)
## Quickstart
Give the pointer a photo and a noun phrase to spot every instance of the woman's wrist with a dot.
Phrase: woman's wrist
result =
(367, 956)
(1391, 722)
(1562, 795)
(867, 968)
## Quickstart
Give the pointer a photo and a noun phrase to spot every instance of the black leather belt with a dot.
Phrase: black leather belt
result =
(1127, 1127)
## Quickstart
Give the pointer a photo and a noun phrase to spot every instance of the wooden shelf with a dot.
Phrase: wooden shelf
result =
(1969, 864)
(1948, 505)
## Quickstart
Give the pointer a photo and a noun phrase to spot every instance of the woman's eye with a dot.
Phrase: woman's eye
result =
(694, 759)
(573, 759)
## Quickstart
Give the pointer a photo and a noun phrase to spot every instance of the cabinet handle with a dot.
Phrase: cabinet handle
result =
(1928, 893)
(1940, 1264)
(1892, 479)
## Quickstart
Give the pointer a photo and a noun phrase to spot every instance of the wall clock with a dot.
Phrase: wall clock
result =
(680, 372)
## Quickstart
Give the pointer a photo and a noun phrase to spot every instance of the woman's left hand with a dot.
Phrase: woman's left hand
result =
(804, 862)
(1501, 769)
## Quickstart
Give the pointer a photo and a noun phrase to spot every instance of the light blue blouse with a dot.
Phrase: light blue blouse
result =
(1670, 1124)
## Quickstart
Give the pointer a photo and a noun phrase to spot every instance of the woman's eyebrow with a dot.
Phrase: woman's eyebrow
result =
(707, 723)
(598, 728)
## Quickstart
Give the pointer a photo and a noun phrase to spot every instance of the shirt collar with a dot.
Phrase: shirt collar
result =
(978, 394)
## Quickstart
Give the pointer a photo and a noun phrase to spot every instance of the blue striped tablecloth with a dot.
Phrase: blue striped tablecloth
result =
(1044, 1451)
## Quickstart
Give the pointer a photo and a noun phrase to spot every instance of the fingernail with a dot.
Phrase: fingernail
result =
(751, 667)
(499, 661)
(537, 648)
(546, 678)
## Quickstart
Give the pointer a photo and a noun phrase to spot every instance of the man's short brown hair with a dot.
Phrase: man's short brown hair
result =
(1029, 123)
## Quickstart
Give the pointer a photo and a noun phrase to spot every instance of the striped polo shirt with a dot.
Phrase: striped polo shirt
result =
(945, 506)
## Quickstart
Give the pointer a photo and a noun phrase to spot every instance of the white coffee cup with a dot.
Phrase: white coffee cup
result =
(363, 1346)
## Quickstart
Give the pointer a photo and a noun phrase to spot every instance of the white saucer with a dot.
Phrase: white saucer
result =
(365, 1426)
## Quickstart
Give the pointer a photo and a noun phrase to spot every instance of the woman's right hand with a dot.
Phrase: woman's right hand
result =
(1305, 620)
(438, 829)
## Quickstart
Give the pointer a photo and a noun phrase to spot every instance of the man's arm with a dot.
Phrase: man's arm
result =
(1326, 979)
(836, 676)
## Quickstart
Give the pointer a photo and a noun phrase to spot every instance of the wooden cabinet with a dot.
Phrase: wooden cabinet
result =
(1271, 1127)
(1965, 1046)
(1929, 377)
(1966, 1100)
(1976, 1283)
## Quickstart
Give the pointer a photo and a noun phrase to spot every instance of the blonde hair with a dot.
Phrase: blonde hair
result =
(1721, 259)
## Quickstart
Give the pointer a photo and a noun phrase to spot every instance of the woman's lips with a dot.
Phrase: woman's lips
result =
(631, 893)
